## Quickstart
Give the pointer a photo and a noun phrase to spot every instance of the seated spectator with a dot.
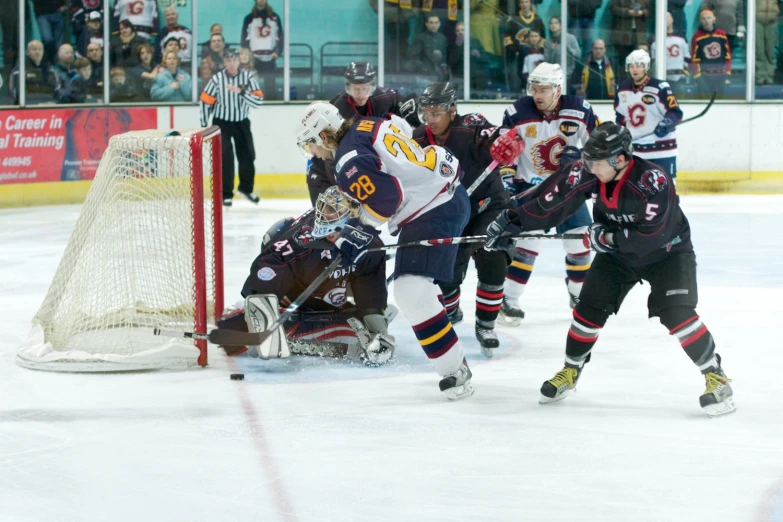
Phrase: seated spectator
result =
(92, 33)
(80, 12)
(213, 30)
(39, 77)
(142, 14)
(515, 40)
(552, 46)
(429, 51)
(172, 83)
(69, 87)
(171, 44)
(172, 29)
(217, 49)
(95, 55)
(246, 59)
(124, 46)
(85, 81)
(119, 89)
(478, 60)
(629, 27)
(262, 33)
(206, 69)
(598, 81)
(533, 55)
(145, 74)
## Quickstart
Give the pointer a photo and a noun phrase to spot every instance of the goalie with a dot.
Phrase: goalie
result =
(294, 252)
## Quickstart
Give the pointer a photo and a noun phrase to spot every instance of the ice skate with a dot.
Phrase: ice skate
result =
(457, 385)
(510, 315)
(488, 340)
(718, 398)
(456, 316)
(573, 299)
(559, 386)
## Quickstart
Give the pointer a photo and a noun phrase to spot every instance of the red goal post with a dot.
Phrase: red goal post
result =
(146, 252)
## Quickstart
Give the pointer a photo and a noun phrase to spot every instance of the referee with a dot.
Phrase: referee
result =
(231, 93)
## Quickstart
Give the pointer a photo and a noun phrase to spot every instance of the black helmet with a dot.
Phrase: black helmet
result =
(607, 141)
(441, 93)
(359, 72)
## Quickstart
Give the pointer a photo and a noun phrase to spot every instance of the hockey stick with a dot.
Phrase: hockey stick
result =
(236, 338)
(686, 120)
(470, 239)
(482, 177)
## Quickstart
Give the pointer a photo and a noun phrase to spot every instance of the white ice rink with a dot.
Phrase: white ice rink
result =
(321, 440)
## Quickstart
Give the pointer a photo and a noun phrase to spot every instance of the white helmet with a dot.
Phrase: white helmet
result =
(546, 74)
(638, 56)
(332, 210)
(319, 116)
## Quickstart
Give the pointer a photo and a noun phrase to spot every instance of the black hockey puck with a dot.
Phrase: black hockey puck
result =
(237, 376)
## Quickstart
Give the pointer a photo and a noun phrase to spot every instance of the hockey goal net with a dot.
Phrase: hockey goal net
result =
(146, 252)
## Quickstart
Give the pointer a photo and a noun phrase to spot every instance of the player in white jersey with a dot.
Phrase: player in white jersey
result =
(548, 122)
(648, 107)
(143, 14)
(417, 193)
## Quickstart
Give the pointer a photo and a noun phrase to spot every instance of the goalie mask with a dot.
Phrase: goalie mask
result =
(332, 210)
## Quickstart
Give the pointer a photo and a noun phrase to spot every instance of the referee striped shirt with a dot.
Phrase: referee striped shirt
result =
(227, 105)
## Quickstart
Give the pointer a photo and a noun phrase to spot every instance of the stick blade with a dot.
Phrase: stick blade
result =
(235, 338)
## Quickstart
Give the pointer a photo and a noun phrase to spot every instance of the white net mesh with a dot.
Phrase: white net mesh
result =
(142, 256)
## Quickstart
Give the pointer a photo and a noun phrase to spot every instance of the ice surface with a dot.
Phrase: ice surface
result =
(309, 439)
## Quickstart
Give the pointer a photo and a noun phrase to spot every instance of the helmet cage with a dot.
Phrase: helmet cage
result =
(332, 210)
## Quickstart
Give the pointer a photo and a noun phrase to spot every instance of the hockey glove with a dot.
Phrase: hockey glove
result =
(507, 147)
(498, 232)
(599, 237)
(408, 110)
(570, 154)
(664, 127)
(353, 241)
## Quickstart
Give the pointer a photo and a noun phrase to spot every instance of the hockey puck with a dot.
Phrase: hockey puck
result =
(237, 376)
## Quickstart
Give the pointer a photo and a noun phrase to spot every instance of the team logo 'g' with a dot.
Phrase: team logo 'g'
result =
(545, 155)
(712, 50)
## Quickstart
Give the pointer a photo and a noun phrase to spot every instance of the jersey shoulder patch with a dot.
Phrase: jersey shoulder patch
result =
(474, 119)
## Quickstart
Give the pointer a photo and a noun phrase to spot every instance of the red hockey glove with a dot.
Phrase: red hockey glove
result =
(507, 147)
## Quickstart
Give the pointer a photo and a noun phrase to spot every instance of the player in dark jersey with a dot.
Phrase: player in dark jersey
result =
(469, 137)
(294, 253)
(639, 234)
(361, 98)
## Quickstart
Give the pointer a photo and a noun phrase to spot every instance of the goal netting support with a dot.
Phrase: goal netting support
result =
(146, 252)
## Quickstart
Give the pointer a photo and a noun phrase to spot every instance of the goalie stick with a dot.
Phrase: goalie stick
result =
(470, 239)
(236, 338)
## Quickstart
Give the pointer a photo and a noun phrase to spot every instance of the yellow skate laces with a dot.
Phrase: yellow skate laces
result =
(714, 381)
(564, 377)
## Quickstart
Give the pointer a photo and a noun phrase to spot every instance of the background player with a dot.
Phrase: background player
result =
(294, 253)
(547, 121)
(648, 106)
(469, 137)
(361, 98)
(417, 193)
(640, 233)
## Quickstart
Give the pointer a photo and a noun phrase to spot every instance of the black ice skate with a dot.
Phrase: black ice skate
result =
(455, 316)
(457, 385)
(559, 386)
(488, 340)
(718, 398)
(510, 315)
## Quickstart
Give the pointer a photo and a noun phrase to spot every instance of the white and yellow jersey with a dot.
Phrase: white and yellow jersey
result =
(545, 139)
(379, 165)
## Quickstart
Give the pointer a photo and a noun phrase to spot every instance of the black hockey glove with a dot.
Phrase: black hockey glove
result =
(664, 127)
(600, 238)
(353, 241)
(407, 108)
(497, 233)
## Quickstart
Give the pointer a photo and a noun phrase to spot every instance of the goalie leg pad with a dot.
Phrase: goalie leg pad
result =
(261, 311)
(373, 348)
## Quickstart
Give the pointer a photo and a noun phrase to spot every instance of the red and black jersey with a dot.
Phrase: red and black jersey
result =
(289, 263)
(469, 139)
(710, 53)
(642, 208)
